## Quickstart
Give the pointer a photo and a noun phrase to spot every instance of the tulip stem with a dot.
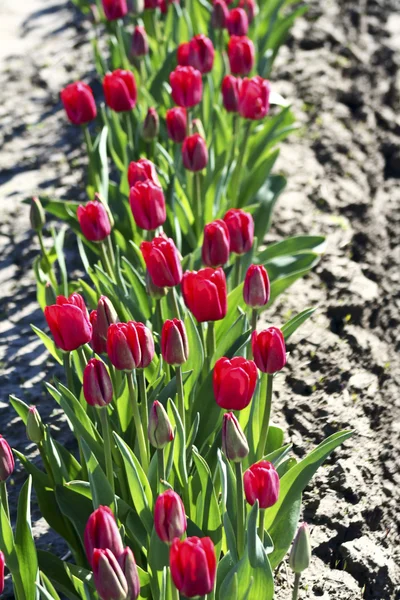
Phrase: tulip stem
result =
(175, 303)
(211, 341)
(181, 395)
(129, 131)
(158, 315)
(52, 277)
(82, 358)
(296, 586)
(240, 508)
(237, 272)
(261, 525)
(267, 413)
(143, 403)
(4, 498)
(68, 371)
(161, 467)
(197, 204)
(138, 423)
(174, 591)
(105, 260)
(254, 318)
(110, 249)
(236, 179)
(121, 44)
(107, 447)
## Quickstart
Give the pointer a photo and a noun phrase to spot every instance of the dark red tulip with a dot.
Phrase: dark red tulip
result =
(147, 203)
(204, 293)
(151, 125)
(160, 432)
(256, 289)
(187, 86)
(201, 53)
(230, 92)
(250, 7)
(106, 316)
(269, 350)
(182, 54)
(128, 566)
(176, 119)
(94, 221)
(69, 322)
(140, 45)
(194, 153)
(120, 90)
(169, 517)
(97, 386)
(241, 55)
(6, 460)
(216, 244)
(254, 98)
(109, 579)
(151, 4)
(234, 443)
(115, 9)
(142, 170)
(2, 563)
(165, 3)
(79, 103)
(102, 531)
(261, 482)
(193, 566)
(238, 22)
(130, 346)
(241, 230)
(174, 342)
(234, 382)
(98, 343)
(220, 14)
(162, 261)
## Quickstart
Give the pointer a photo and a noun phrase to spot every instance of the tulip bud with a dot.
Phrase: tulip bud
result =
(169, 517)
(140, 45)
(241, 230)
(160, 429)
(142, 170)
(241, 55)
(300, 554)
(94, 222)
(97, 386)
(98, 343)
(201, 53)
(115, 9)
(130, 346)
(261, 482)
(147, 203)
(174, 343)
(102, 532)
(106, 316)
(193, 566)
(216, 243)
(234, 443)
(254, 98)
(250, 7)
(151, 125)
(269, 350)
(220, 14)
(6, 460)
(34, 426)
(234, 382)
(230, 92)
(2, 563)
(128, 566)
(197, 127)
(238, 22)
(108, 577)
(182, 54)
(50, 295)
(176, 119)
(194, 153)
(256, 287)
(37, 216)
(153, 290)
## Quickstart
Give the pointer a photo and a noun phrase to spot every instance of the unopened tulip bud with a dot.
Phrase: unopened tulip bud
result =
(261, 482)
(6, 460)
(101, 531)
(34, 426)
(140, 45)
(300, 554)
(256, 289)
(2, 563)
(94, 222)
(174, 342)
(241, 230)
(269, 350)
(108, 577)
(115, 9)
(153, 290)
(106, 316)
(169, 517)
(220, 14)
(230, 92)
(97, 386)
(194, 153)
(238, 22)
(37, 215)
(234, 443)
(130, 346)
(128, 566)
(216, 244)
(160, 429)
(98, 343)
(151, 125)
(49, 294)
(176, 120)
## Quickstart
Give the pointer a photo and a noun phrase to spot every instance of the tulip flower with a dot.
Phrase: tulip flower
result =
(204, 293)
(250, 7)
(234, 443)
(106, 316)
(69, 322)
(174, 342)
(261, 482)
(147, 203)
(256, 289)
(182, 54)
(230, 93)
(241, 55)
(98, 343)
(128, 566)
(234, 382)
(120, 90)
(194, 153)
(94, 221)
(220, 14)
(216, 244)
(201, 53)
(269, 350)
(237, 22)
(142, 170)
(115, 9)
(160, 431)
(130, 346)
(97, 386)
(169, 517)
(162, 261)
(37, 215)
(79, 103)
(102, 532)
(187, 86)
(151, 125)
(2, 563)
(34, 426)
(254, 98)
(241, 230)
(108, 576)
(176, 120)
(193, 566)
(151, 4)
(6, 460)
(140, 45)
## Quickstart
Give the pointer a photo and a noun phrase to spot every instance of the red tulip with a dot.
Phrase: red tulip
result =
(97, 386)
(204, 293)
(94, 221)
(194, 153)
(151, 125)
(241, 230)
(187, 86)
(128, 566)
(230, 92)
(234, 443)
(120, 90)
(79, 103)
(162, 261)
(250, 7)
(220, 14)
(115, 9)
(201, 53)
(193, 566)
(256, 289)
(69, 322)
(176, 119)
(2, 563)
(98, 343)
(147, 203)
(142, 170)
(182, 54)
(216, 243)
(130, 346)
(108, 576)
(160, 432)
(140, 45)
(174, 342)
(102, 531)
(6, 460)
(269, 350)
(106, 316)
(254, 98)
(234, 382)
(151, 4)
(241, 55)
(261, 482)
(238, 22)
(169, 517)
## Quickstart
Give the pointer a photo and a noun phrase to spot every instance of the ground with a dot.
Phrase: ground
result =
(340, 69)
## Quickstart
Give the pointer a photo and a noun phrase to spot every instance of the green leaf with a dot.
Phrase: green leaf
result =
(283, 531)
(50, 345)
(291, 326)
(266, 198)
(102, 493)
(292, 245)
(24, 544)
(179, 443)
(196, 353)
(20, 408)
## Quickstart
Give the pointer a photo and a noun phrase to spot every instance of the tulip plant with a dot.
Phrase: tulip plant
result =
(180, 484)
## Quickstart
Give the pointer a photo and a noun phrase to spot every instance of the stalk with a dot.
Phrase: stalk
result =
(261, 525)
(240, 509)
(110, 250)
(68, 371)
(141, 377)
(254, 317)
(82, 358)
(266, 417)
(211, 341)
(181, 395)
(237, 272)
(160, 466)
(107, 446)
(175, 303)
(129, 132)
(236, 180)
(105, 260)
(4, 498)
(138, 423)
(197, 203)
(47, 261)
(174, 591)
(296, 586)
(121, 44)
